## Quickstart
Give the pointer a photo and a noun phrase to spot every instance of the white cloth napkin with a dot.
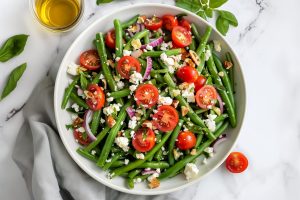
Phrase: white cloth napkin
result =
(48, 170)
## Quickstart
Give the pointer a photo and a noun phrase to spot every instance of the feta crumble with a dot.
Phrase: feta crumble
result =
(126, 52)
(123, 143)
(112, 108)
(191, 171)
(75, 106)
(140, 156)
(154, 175)
(110, 99)
(149, 47)
(207, 55)
(188, 93)
(132, 88)
(126, 161)
(132, 122)
(120, 84)
(217, 45)
(136, 78)
(73, 69)
(165, 100)
(81, 130)
(210, 123)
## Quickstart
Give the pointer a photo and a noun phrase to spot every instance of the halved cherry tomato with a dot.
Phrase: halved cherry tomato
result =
(128, 64)
(153, 24)
(143, 139)
(79, 137)
(185, 23)
(181, 37)
(187, 74)
(95, 97)
(206, 97)
(166, 118)
(110, 39)
(147, 95)
(169, 22)
(236, 162)
(200, 82)
(90, 59)
(186, 140)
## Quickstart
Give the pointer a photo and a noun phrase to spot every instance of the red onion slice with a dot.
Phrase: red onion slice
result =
(149, 171)
(86, 124)
(219, 140)
(148, 69)
(154, 43)
(130, 111)
(220, 103)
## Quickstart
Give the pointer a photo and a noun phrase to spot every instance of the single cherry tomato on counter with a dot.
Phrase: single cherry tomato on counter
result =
(200, 82)
(236, 162)
(187, 74)
(95, 98)
(181, 37)
(186, 24)
(147, 95)
(186, 140)
(81, 138)
(143, 139)
(206, 97)
(153, 23)
(128, 64)
(166, 118)
(169, 22)
(90, 59)
(110, 39)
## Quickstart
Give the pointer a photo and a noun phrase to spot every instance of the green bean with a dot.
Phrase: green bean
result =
(204, 40)
(119, 38)
(231, 70)
(86, 155)
(200, 111)
(126, 36)
(137, 163)
(147, 39)
(130, 22)
(154, 165)
(116, 164)
(133, 173)
(138, 35)
(78, 100)
(158, 53)
(221, 118)
(193, 45)
(95, 121)
(189, 158)
(200, 67)
(108, 53)
(142, 177)
(96, 79)
(195, 33)
(99, 138)
(225, 78)
(155, 64)
(160, 71)
(209, 81)
(168, 79)
(199, 140)
(120, 93)
(113, 159)
(158, 155)
(172, 142)
(71, 110)
(130, 183)
(157, 77)
(68, 92)
(113, 133)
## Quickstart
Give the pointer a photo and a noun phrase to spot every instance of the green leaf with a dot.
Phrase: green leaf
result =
(222, 25)
(12, 47)
(13, 79)
(69, 126)
(193, 6)
(83, 81)
(229, 16)
(103, 1)
(209, 12)
(216, 3)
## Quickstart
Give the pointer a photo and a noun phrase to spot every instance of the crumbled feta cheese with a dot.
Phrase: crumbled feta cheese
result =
(210, 123)
(207, 54)
(158, 170)
(167, 60)
(191, 171)
(73, 117)
(136, 43)
(126, 161)
(117, 59)
(73, 69)
(81, 130)
(177, 154)
(108, 160)
(112, 108)
(221, 74)
(110, 99)
(123, 143)
(136, 78)
(209, 150)
(101, 76)
(165, 46)
(132, 134)
(126, 52)
(132, 122)
(165, 100)
(102, 121)
(188, 93)
(120, 84)
(137, 180)
(132, 88)
(217, 45)
(154, 175)
(93, 152)
(140, 156)
(175, 93)
(149, 47)
(204, 161)
(75, 106)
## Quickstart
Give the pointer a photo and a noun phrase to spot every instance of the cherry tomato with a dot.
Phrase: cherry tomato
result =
(79, 137)
(200, 82)
(185, 23)
(166, 118)
(143, 139)
(110, 39)
(187, 74)
(147, 95)
(206, 96)
(128, 64)
(95, 98)
(90, 59)
(186, 140)
(169, 22)
(153, 24)
(236, 162)
(181, 37)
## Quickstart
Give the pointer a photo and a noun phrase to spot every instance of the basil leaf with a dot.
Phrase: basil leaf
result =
(216, 3)
(12, 47)
(103, 1)
(229, 16)
(222, 25)
(83, 81)
(69, 126)
(193, 6)
(13, 79)
(209, 12)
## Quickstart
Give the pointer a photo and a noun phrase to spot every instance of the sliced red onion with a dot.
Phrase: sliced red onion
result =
(154, 43)
(129, 32)
(220, 103)
(130, 111)
(148, 171)
(219, 140)
(140, 27)
(137, 53)
(86, 124)
(148, 69)
(79, 91)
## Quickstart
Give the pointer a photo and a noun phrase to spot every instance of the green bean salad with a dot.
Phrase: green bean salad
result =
(151, 97)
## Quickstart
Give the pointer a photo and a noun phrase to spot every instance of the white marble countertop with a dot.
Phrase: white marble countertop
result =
(267, 42)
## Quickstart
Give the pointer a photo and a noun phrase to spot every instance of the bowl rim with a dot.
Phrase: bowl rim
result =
(57, 105)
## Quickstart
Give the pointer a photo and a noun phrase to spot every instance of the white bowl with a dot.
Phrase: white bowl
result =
(84, 42)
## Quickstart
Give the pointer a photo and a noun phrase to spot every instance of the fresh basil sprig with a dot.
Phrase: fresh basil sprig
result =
(12, 47)
(13, 79)
(103, 1)
(207, 8)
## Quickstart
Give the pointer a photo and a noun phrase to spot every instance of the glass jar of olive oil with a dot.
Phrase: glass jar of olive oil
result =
(58, 15)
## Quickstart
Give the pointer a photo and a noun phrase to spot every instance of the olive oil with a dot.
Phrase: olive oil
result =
(58, 14)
